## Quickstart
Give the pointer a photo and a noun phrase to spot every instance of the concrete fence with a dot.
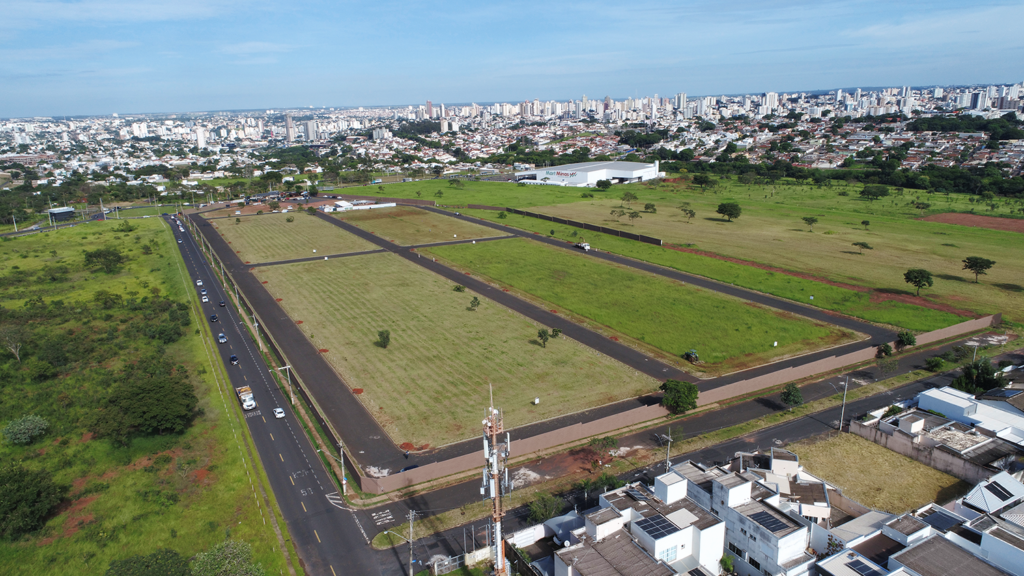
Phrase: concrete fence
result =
(406, 201)
(932, 456)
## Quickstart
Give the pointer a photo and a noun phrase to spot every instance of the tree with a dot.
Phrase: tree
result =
(502, 215)
(543, 335)
(918, 278)
(544, 507)
(791, 396)
(633, 216)
(274, 205)
(474, 303)
(978, 265)
(905, 339)
(238, 221)
(438, 194)
(628, 197)
(163, 562)
(680, 397)
(311, 211)
(604, 184)
(586, 486)
(150, 396)
(380, 189)
(884, 349)
(874, 191)
(617, 213)
(26, 499)
(689, 214)
(24, 430)
(459, 288)
(383, 338)
(290, 218)
(12, 337)
(934, 363)
(556, 332)
(979, 376)
(649, 207)
(810, 221)
(109, 259)
(726, 562)
(865, 223)
(863, 246)
(729, 209)
(701, 180)
(230, 558)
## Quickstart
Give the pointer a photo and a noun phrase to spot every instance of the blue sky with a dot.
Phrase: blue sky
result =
(103, 56)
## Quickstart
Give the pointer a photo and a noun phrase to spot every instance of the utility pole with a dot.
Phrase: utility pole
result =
(668, 450)
(412, 516)
(288, 369)
(842, 415)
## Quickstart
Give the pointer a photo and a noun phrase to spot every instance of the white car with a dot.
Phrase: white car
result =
(199, 282)
(222, 338)
(206, 299)
(179, 240)
(278, 412)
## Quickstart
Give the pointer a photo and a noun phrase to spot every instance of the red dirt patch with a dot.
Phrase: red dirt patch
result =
(407, 446)
(75, 520)
(504, 289)
(201, 474)
(324, 350)
(278, 299)
(978, 221)
(86, 437)
(424, 447)
(238, 251)
(357, 390)
(467, 273)
(615, 338)
(298, 321)
(265, 281)
(553, 311)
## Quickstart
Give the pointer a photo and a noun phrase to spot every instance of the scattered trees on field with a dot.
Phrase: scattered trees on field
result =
(459, 288)
(586, 194)
(238, 220)
(810, 221)
(729, 209)
(502, 215)
(649, 207)
(290, 219)
(978, 265)
(12, 337)
(689, 214)
(863, 246)
(617, 213)
(905, 339)
(109, 259)
(791, 396)
(439, 194)
(680, 397)
(603, 184)
(543, 336)
(383, 338)
(628, 197)
(865, 223)
(874, 191)
(28, 498)
(474, 303)
(701, 180)
(556, 332)
(919, 278)
(633, 216)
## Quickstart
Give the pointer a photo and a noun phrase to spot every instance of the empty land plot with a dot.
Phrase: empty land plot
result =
(270, 237)
(727, 333)
(407, 226)
(875, 476)
(430, 386)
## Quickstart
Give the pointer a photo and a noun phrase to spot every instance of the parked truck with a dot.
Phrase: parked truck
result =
(583, 245)
(245, 397)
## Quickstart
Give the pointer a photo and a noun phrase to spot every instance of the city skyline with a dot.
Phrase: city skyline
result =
(141, 57)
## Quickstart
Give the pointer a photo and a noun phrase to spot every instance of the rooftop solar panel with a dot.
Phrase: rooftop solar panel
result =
(939, 521)
(657, 526)
(636, 494)
(1000, 492)
(1003, 393)
(863, 569)
(770, 522)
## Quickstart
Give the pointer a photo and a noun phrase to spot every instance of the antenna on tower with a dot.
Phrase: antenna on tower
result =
(495, 478)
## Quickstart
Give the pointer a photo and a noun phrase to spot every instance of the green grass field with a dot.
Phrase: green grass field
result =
(124, 500)
(829, 297)
(142, 211)
(727, 333)
(771, 231)
(501, 194)
(270, 237)
(408, 226)
(430, 386)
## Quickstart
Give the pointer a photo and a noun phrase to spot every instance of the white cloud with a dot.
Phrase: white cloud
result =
(89, 49)
(42, 12)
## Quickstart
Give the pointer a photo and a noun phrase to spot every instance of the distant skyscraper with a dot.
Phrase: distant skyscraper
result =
(289, 129)
(679, 102)
(979, 101)
(770, 100)
(311, 130)
(430, 109)
(937, 93)
(200, 137)
(1014, 92)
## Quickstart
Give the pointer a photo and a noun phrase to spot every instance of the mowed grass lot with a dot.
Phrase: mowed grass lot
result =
(270, 237)
(771, 232)
(876, 477)
(670, 316)
(846, 300)
(500, 194)
(406, 226)
(430, 386)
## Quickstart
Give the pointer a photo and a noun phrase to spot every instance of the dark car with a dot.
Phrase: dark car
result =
(407, 468)
(233, 359)
(213, 318)
(221, 303)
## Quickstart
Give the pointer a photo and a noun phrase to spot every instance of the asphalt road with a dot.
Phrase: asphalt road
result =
(326, 534)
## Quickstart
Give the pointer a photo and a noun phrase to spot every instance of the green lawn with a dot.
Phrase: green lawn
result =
(502, 194)
(270, 237)
(142, 211)
(771, 231)
(408, 226)
(727, 333)
(829, 297)
(186, 492)
(430, 385)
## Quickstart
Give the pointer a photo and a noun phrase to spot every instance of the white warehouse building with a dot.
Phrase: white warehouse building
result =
(586, 174)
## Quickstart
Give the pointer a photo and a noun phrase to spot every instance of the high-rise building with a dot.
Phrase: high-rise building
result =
(937, 93)
(839, 96)
(311, 131)
(770, 100)
(979, 101)
(1014, 92)
(679, 102)
(430, 109)
(200, 137)
(444, 125)
(289, 129)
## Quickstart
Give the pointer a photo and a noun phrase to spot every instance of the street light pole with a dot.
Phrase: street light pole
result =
(291, 394)
(842, 415)
(412, 516)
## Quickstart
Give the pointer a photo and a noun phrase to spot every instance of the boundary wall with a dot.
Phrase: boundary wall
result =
(581, 430)
(936, 457)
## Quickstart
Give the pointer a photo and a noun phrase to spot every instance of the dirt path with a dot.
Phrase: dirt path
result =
(876, 295)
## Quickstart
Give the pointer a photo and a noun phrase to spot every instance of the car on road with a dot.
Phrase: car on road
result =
(213, 318)
(222, 338)
(179, 240)
(206, 299)
(203, 291)
(199, 282)
(407, 468)
(278, 412)
(234, 360)
(222, 304)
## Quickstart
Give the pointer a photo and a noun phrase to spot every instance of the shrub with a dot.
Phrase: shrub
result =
(24, 430)
(28, 497)
(905, 339)
(231, 558)
(679, 397)
(384, 338)
(459, 288)
(884, 350)
(934, 363)
(502, 215)
(290, 219)
(892, 411)
(545, 507)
